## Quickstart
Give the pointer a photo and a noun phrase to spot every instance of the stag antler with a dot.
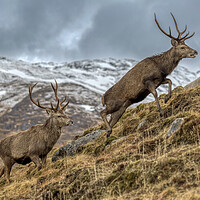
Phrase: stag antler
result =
(55, 89)
(56, 95)
(179, 38)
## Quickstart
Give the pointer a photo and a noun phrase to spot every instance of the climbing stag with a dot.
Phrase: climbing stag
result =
(145, 77)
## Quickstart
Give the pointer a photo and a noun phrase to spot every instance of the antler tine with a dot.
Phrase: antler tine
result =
(31, 98)
(185, 36)
(55, 89)
(170, 32)
(59, 104)
(179, 33)
(63, 108)
(169, 35)
(184, 30)
(63, 100)
(188, 36)
(56, 95)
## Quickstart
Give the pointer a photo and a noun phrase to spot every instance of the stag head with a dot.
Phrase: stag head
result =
(181, 50)
(57, 113)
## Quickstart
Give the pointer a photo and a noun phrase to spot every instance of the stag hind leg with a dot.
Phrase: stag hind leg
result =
(104, 114)
(116, 115)
(152, 89)
(112, 107)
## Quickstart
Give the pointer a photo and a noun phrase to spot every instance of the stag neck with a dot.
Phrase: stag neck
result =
(171, 61)
(167, 61)
(52, 125)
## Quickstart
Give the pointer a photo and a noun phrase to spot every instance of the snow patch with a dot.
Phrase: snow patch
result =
(88, 107)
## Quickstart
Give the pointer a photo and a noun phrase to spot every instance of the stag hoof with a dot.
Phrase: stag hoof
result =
(108, 133)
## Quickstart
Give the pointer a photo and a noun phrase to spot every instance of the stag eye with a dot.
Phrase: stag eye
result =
(182, 47)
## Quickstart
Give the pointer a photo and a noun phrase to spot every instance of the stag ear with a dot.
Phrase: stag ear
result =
(49, 111)
(174, 42)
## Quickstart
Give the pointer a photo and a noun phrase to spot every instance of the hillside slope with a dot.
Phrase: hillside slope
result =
(83, 82)
(138, 161)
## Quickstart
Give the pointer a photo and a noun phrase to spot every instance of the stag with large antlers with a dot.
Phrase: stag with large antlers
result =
(35, 143)
(145, 77)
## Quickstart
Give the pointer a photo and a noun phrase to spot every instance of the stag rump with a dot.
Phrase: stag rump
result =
(35, 143)
(145, 77)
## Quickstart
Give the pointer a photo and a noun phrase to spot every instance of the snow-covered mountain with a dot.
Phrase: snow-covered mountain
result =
(82, 81)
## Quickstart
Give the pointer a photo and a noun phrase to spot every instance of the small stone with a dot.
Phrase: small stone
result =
(141, 123)
(176, 125)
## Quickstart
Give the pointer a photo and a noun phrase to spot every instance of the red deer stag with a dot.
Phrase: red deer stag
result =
(145, 77)
(35, 143)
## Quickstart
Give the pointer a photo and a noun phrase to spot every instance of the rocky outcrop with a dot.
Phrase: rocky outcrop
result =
(70, 148)
(193, 84)
(176, 125)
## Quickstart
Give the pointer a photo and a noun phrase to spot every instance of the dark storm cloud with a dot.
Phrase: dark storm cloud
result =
(72, 30)
(128, 29)
(33, 28)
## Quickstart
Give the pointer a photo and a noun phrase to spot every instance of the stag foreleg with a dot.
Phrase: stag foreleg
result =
(168, 81)
(152, 89)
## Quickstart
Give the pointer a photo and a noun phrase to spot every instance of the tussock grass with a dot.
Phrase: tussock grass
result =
(138, 161)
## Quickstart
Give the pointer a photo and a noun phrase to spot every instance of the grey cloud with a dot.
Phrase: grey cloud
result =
(73, 30)
(38, 25)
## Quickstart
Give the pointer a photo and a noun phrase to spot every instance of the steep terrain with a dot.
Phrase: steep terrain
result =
(82, 81)
(140, 160)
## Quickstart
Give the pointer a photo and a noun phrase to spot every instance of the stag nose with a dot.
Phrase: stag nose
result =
(71, 122)
(195, 52)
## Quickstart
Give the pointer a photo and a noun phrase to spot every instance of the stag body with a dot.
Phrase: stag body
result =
(35, 143)
(144, 78)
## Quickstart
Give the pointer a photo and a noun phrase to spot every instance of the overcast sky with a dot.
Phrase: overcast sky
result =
(68, 30)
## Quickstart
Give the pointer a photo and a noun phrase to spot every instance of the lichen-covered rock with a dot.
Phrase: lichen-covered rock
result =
(70, 148)
(176, 125)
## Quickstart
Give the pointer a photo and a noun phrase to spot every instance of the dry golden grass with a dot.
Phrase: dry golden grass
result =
(136, 162)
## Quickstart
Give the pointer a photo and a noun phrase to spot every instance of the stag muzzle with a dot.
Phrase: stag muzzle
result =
(193, 54)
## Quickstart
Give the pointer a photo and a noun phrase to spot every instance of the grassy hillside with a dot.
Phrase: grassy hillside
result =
(138, 161)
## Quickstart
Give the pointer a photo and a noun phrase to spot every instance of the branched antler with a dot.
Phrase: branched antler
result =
(179, 38)
(59, 104)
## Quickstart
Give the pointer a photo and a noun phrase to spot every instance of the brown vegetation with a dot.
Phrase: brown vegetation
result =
(138, 162)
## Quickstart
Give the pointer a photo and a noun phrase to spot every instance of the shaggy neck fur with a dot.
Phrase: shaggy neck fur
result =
(166, 61)
(52, 125)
